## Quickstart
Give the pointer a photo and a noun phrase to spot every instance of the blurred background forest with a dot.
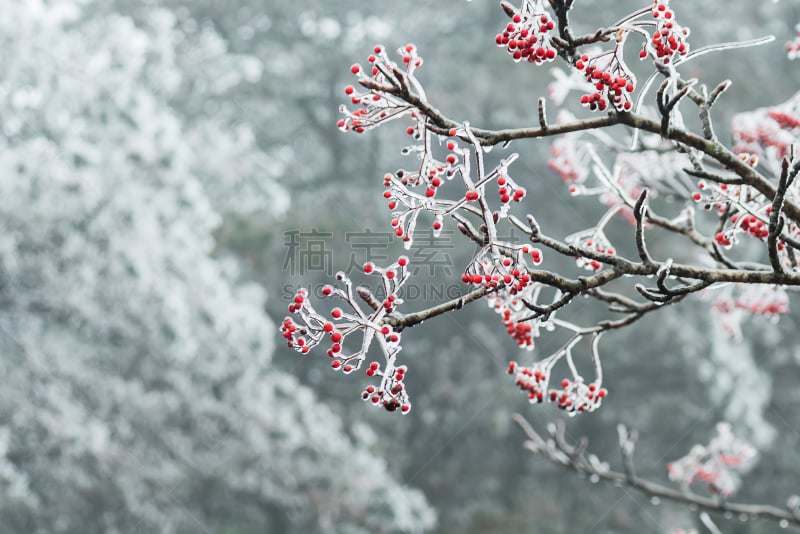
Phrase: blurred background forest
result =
(171, 172)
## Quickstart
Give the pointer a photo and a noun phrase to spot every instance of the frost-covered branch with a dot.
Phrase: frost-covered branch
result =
(716, 464)
(653, 158)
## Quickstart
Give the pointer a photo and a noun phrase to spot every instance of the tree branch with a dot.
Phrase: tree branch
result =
(560, 452)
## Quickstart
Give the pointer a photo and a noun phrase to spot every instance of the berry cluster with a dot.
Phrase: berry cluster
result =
(390, 394)
(574, 396)
(669, 37)
(310, 328)
(749, 224)
(570, 155)
(594, 240)
(508, 277)
(718, 464)
(768, 132)
(735, 302)
(376, 106)
(577, 397)
(612, 80)
(527, 36)
(507, 270)
(508, 190)
(793, 47)
(531, 380)
(756, 300)
(753, 226)
(568, 162)
(407, 204)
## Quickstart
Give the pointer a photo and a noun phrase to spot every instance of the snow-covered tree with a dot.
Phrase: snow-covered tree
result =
(137, 388)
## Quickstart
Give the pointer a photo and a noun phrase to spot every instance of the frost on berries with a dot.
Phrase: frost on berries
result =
(570, 156)
(412, 193)
(571, 395)
(374, 106)
(793, 47)
(513, 292)
(761, 138)
(528, 36)
(767, 133)
(309, 328)
(733, 303)
(612, 79)
(668, 40)
(719, 464)
(565, 83)
(593, 240)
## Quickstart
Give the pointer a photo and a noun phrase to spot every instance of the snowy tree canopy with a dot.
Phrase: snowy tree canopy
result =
(138, 393)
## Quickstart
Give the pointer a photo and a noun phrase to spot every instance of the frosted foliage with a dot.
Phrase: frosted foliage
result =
(737, 382)
(136, 374)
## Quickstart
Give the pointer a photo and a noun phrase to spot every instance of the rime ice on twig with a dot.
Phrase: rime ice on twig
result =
(311, 328)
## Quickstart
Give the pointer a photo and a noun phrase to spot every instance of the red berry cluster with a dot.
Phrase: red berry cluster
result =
(752, 225)
(718, 464)
(300, 337)
(374, 105)
(527, 36)
(765, 307)
(611, 78)
(508, 278)
(766, 301)
(669, 38)
(530, 380)
(509, 191)
(793, 48)
(569, 159)
(311, 328)
(733, 303)
(785, 120)
(432, 173)
(522, 333)
(574, 397)
(391, 393)
(577, 397)
(768, 132)
(503, 272)
(597, 242)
